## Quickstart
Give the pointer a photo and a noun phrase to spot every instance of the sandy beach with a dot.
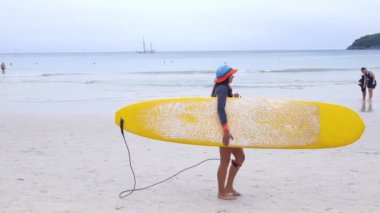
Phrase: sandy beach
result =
(67, 68)
(79, 163)
(61, 151)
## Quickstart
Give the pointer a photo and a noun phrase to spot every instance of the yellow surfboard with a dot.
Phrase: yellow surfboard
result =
(254, 123)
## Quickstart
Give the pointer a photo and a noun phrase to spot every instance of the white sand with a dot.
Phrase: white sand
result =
(78, 163)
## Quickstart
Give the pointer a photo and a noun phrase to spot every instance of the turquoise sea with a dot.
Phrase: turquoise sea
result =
(104, 82)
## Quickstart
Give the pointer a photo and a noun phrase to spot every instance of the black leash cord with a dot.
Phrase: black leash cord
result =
(128, 192)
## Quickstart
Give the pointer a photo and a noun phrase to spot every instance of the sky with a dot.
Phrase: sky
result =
(175, 25)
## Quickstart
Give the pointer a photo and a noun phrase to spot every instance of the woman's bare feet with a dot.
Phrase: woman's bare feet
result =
(226, 196)
(233, 192)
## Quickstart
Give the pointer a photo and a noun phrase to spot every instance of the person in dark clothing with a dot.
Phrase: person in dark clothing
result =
(222, 90)
(368, 80)
(3, 67)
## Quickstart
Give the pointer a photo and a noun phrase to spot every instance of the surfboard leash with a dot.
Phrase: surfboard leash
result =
(128, 192)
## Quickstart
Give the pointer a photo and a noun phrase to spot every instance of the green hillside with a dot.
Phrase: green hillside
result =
(366, 42)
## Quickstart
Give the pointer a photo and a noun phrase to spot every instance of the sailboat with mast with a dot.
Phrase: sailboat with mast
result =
(144, 51)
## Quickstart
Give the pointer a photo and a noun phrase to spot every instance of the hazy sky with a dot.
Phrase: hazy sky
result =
(175, 25)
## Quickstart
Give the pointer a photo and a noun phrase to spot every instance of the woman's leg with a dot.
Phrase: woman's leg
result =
(363, 106)
(370, 92)
(225, 154)
(234, 168)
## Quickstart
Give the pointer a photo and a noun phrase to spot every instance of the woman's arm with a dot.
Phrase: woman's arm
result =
(221, 93)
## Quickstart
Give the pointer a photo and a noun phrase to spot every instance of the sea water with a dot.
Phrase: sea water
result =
(104, 82)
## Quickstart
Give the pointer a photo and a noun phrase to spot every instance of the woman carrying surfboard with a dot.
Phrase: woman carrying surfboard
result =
(222, 90)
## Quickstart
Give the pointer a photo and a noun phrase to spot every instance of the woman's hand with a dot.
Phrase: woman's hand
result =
(226, 138)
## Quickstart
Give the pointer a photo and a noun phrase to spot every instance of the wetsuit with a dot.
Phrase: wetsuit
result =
(222, 91)
(371, 83)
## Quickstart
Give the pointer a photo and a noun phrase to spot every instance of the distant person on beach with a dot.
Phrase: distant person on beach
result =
(3, 67)
(222, 90)
(368, 80)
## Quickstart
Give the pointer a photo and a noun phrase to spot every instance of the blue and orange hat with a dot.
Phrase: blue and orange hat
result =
(224, 72)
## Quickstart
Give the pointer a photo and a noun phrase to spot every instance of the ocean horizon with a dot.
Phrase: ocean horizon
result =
(178, 51)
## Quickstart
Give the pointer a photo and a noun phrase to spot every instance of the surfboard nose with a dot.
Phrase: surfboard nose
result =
(339, 126)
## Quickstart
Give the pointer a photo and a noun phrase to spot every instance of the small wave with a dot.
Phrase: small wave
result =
(73, 100)
(63, 81)
(345, 82)
(189, 72)
(168, 85)
(32, 75)
(60, 74)
(295, 84)
(49, 81)
(300, 70)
